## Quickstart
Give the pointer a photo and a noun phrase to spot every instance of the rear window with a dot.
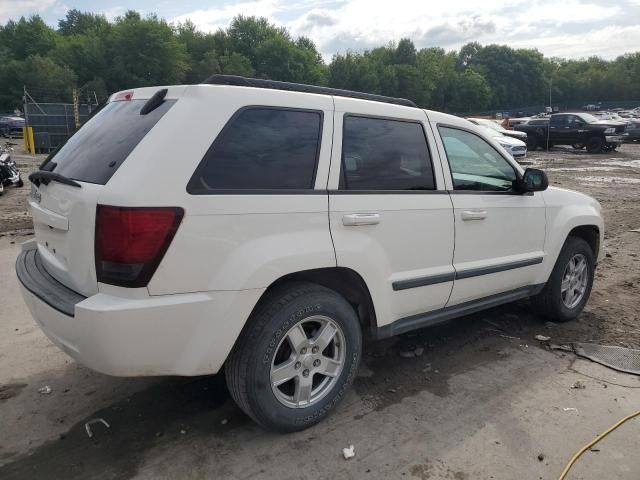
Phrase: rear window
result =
(262, 149)
(96, 151)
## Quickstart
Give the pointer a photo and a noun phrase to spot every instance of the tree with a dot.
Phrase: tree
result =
(144, 52)
(405, 53)
(79, 23)
(89, 51)
(16, 74)
(27, 37)
(470, 93)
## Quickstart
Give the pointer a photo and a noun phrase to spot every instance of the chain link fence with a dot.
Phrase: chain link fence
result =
(53, 122)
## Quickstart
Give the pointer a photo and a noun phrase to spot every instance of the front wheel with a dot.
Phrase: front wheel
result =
(569, 286)
(295, 358)
(595, 145)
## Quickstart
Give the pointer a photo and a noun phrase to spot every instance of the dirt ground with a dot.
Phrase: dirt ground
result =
(485, 400)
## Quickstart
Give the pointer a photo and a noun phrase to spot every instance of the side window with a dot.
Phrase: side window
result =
(474, 163)
(262, 149)
(559, 120)
(381, 154)
(574, 120)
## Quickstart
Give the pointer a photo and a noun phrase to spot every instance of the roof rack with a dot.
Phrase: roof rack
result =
(299, 87)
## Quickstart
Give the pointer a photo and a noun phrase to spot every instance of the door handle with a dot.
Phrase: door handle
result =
(474, 214)
(354, 219)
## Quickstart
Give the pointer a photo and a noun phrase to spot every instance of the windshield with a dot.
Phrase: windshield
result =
(490, 131)
(488, 123)
(587, 117)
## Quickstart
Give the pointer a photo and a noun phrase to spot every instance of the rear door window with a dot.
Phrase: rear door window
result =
(100, 146)
(384, 154)
(262, 149)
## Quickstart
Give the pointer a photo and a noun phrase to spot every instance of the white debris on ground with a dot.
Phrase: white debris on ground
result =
(46, 390)
(542, 338)
(349, 452)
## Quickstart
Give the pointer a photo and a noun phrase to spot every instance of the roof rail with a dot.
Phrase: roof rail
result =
(299, 87)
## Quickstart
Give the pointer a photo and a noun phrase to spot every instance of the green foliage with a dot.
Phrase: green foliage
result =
(15, 73)
(144, 52)
(86, 50)
(27, 37)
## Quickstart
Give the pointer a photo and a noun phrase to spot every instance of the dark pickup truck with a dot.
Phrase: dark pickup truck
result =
(576, 129)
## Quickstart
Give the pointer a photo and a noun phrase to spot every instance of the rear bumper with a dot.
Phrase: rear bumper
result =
(185, 334)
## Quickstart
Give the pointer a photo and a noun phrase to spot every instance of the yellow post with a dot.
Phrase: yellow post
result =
(25, 138)
(29, 140)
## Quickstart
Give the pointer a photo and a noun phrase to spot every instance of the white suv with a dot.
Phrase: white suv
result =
(265, 227)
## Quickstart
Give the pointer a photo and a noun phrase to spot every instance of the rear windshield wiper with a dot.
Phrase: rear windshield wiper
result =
(44, 177)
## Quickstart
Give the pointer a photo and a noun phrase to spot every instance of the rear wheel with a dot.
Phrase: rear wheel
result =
(595, 145)
(569, 286)
(295, 358)
(532, 142)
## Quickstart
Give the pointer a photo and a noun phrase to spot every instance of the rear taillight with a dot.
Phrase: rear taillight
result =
(131, 241)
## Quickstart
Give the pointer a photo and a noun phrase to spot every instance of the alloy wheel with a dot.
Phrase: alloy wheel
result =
(308, 362)
(574, 281)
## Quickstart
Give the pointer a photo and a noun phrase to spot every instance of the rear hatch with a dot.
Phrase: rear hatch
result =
(65, 190)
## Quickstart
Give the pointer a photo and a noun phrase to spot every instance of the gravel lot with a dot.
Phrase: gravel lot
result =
(484, 400)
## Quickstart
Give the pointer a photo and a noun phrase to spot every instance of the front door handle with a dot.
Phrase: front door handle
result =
(354, 219)
(474, 214)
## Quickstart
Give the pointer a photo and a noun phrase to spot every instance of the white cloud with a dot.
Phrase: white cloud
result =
(211, 19)
(14, 9)
(112, 12)
(573, 28)
(608, 42)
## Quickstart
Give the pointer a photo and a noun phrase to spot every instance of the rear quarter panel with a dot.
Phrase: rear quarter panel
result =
(231, 241)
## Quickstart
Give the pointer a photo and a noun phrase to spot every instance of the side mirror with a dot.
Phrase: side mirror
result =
(534, 180)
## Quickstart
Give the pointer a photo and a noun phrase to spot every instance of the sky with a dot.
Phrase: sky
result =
(562, 28)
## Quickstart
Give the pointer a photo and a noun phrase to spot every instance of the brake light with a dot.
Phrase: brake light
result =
(131, 241)
(122, 96)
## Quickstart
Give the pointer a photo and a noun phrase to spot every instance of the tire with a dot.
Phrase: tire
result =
(595, 145)
(552, 301)
(1, 188)
(19, 184)
(578, 146)
(532, 143)
(265, 347)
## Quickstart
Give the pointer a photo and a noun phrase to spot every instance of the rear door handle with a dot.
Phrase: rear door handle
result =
(474, 214)
(354, 219)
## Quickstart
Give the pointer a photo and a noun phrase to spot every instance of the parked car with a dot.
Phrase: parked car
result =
(495, 125)
(516, 148)
(11, 126)
(300, 220)
(633, 131)
(577, 129)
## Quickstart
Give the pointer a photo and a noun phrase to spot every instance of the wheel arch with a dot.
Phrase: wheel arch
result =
(590, 234)
(345, 281)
